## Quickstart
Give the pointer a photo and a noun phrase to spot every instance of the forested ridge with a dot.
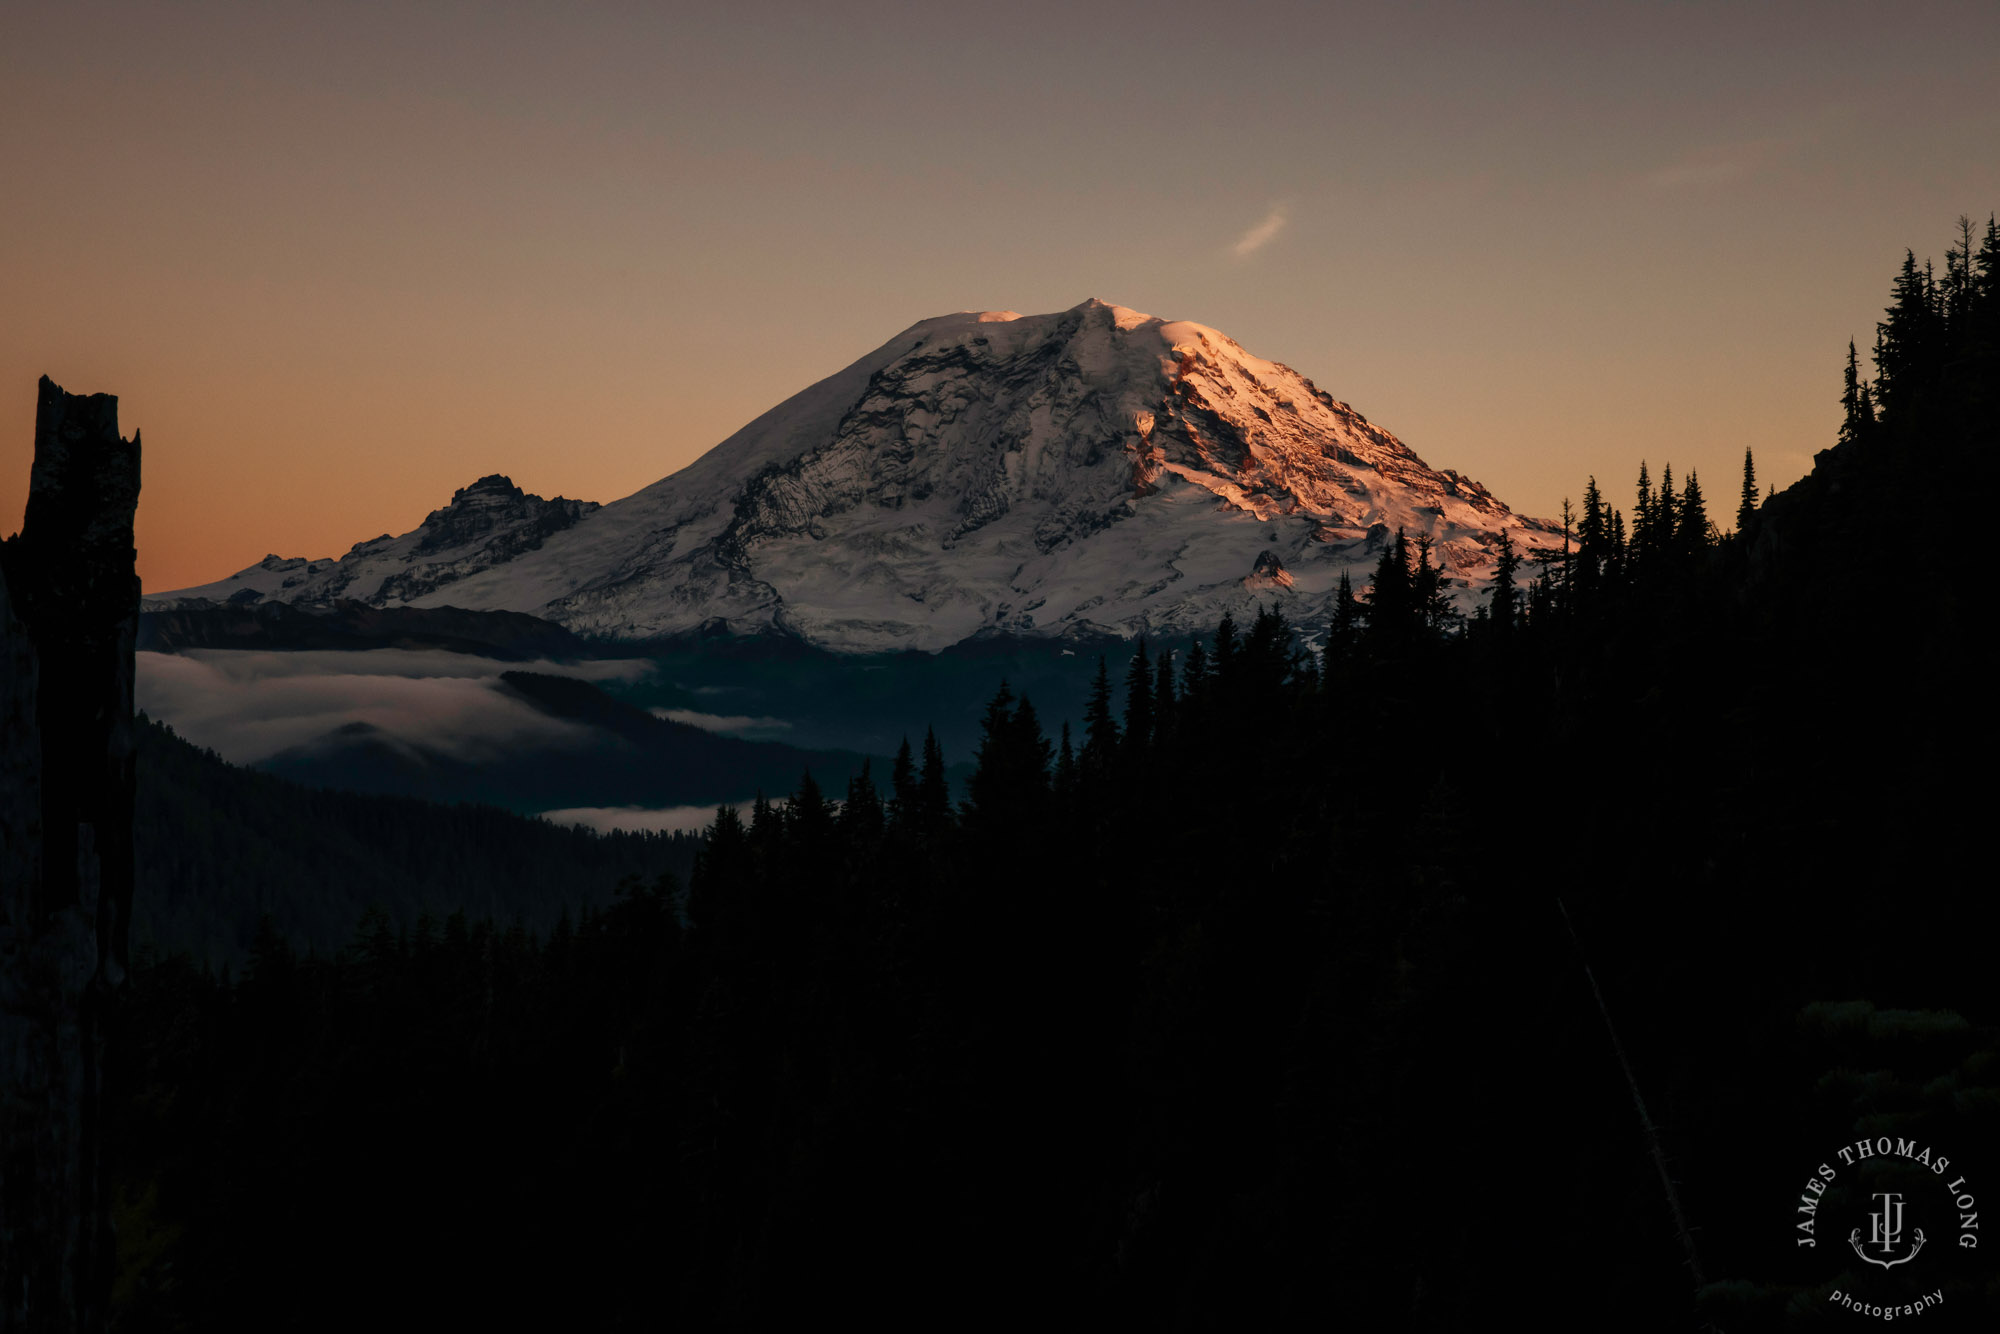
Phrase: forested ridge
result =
(1279, 990)
(224, 850)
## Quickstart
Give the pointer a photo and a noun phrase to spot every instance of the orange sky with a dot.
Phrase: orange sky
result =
(338, 260)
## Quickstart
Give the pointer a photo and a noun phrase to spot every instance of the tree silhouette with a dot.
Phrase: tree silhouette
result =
(1746, 507)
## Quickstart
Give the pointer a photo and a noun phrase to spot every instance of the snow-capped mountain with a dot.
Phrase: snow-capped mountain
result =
(1094, 471)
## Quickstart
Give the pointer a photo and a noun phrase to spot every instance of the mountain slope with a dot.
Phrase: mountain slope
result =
(1095, 471)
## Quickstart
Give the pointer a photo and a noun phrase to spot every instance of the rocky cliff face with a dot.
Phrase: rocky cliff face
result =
(1094, 471)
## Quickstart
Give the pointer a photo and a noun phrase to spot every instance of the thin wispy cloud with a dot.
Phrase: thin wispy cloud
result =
(1262, 234)
(1712, 165)
(728, 724)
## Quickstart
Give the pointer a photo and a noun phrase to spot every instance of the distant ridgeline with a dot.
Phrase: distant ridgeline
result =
(1251, 999)
(509, 636)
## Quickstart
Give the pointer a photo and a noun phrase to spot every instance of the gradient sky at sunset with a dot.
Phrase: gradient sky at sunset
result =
(340, 259)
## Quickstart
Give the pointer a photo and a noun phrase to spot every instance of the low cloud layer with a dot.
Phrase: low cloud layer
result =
(727, 724)
(635, 819)
(249, 705)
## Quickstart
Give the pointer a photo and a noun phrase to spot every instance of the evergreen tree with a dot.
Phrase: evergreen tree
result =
(1593, 528)
(1427, 589)
(766, 827)
(1031, 744)
(272, 963)
(1266, 660)
(1390, 599)
(903, 788)
(1100, 729)
(1654, 524)
(1956, 295)
(1666, 513)
(1982, 331)
(1541, 598)
(1195, 678)
(724, 861)
(1642, 511)
(1986, 278)
(1642, 549)
(1746, 508)
(1221, 675)
(1692, 537)
(809, 819)
(1010, 779)
(1066, 769)
(1593, 535)
(1343, 632)
(1504, 596)
(1565, 574)
(993, 724)
(1138, 702)
(861, 815)
(1163, 698)
(1852, 395)
(1906, 352)
(933, 789)
(991, 760)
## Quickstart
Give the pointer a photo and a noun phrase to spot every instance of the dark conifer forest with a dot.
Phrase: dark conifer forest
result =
(225, 853)
(1450, 973)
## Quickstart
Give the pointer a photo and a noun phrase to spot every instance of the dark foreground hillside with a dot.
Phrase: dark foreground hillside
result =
(1460, 976)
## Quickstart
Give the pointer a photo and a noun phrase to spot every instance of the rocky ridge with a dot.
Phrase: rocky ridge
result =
(486, 524)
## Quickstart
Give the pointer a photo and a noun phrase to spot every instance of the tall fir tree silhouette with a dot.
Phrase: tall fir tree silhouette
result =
(1906, 340)
(1390, 601)
(1343, 632)
(1691, 534)
(1504, 597)
(1100, 729)
(1746, 506)
(933, 789)
(903, 788)
(1138, 703)
(1164, 700)
(1853, 394)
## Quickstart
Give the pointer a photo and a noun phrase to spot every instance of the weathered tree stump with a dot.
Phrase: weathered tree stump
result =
(69, 606)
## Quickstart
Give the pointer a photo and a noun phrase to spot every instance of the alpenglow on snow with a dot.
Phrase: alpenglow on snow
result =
(1091, 472)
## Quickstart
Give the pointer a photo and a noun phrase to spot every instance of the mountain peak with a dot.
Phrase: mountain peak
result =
(1095, 471)
(492, 484)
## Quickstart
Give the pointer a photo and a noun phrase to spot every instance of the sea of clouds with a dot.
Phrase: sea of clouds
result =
(248, 705)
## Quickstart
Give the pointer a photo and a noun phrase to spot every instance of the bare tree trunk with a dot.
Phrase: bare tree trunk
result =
(69, 605)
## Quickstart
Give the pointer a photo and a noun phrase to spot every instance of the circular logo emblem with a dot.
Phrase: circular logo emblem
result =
(1892, 1211)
